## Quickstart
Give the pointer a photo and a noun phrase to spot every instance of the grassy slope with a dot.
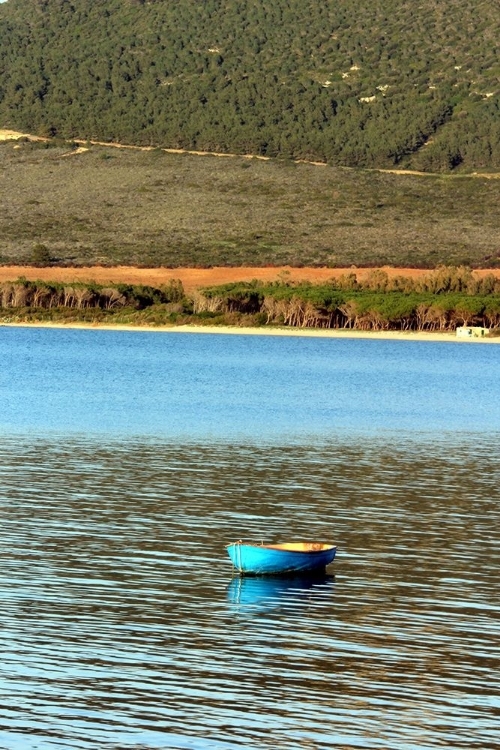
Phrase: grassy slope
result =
(151, 208)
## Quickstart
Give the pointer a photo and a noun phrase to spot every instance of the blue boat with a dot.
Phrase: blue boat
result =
(280, 559)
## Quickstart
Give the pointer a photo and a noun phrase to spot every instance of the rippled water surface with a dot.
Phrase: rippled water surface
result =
(121, 623)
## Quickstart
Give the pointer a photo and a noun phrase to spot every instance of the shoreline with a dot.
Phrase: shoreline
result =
(331, 333)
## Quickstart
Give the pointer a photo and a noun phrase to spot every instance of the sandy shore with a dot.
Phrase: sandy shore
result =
(333, 333)
(330, 333)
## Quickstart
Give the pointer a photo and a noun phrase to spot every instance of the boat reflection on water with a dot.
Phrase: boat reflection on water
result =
(268, 592)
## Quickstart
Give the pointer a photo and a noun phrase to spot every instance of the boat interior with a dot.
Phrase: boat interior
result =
(300, 546)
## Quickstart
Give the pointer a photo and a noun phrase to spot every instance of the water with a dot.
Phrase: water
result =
(186, 386)
(128, 460)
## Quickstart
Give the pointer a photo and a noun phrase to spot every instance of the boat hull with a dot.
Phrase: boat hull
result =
(254, 559)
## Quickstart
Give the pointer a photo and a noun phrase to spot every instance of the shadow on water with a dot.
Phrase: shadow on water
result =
(265, 593)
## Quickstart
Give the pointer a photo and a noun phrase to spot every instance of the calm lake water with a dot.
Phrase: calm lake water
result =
(128, 461)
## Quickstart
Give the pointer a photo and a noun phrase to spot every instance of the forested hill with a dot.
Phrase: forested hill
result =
(352, 82)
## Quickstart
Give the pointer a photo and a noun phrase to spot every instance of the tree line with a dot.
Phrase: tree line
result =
(80, 296)
(438, 301)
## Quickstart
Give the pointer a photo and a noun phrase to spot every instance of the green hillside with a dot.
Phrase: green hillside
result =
(367, 84)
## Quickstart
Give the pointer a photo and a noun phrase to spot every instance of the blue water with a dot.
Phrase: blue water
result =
(129, 460)
(205, 386)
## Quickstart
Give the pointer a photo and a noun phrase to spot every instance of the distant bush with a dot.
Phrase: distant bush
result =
(41, 255)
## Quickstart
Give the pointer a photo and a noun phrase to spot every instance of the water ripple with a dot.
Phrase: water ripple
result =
(122, 626)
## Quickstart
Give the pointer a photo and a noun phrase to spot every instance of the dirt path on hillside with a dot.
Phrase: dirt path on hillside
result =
(195, 278)
(489, 176)
(12, 135)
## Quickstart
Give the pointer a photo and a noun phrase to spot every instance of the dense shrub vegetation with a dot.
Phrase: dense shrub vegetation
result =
(440, 301)
(394, 83)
